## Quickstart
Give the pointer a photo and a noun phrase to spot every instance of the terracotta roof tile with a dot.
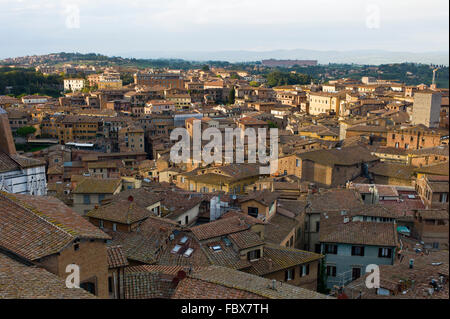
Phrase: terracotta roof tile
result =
(19, 281)
(116, 257)
(34, 227)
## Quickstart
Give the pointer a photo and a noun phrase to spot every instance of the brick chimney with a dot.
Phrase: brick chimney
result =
(6, 140)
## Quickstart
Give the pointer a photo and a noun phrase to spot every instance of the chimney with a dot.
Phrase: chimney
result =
(6, 139)
(274, 284)
(270, 262)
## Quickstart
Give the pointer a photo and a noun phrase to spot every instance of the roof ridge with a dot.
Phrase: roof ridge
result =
(40, 214)
(241, 287)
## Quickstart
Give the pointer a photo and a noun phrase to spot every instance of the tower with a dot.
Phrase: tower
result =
(6, 139)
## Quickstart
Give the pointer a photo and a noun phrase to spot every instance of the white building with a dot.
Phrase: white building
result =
(34, 99)
(18, 174)
(73, 84)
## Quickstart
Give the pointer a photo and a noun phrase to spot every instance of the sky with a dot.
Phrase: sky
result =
(115, 27)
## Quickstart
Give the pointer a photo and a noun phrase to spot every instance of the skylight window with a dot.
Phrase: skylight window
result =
(188, 252)
(216, 248)
(176, 249)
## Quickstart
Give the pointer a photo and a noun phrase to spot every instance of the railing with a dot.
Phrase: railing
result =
(342, 279)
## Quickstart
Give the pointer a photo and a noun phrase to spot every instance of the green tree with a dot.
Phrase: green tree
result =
(232, 96)
(205, 68)
(253, 83)
(272, 124)
(24, 131)
(322, 280)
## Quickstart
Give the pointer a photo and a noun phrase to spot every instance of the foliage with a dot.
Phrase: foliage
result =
(232, 96)
(27, 81)
(408, 73)
(322, 280)
(272, 124)
(127, 78)
(277, 78)
(24, 131)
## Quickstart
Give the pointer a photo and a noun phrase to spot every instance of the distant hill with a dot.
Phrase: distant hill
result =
(374, 57)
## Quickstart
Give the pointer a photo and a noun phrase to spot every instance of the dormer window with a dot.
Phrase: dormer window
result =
(254, 255)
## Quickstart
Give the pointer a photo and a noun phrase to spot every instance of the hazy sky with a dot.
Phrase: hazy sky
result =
(118, 27)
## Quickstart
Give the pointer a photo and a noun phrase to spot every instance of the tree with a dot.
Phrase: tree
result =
(322, 280)
(277, 78)
(24, 131)
(272, 124)
(231, 96)
(205, 68)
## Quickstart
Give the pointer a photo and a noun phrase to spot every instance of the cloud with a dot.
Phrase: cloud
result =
(115, 25)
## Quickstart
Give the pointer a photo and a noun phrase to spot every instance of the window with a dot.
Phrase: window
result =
(304, 270)
(110, 284)
(435, 245)
(101, 223)
(254, 255)
(289, 274)
(317, 248)
(297, 162)
(443, 198)
(317, 226)
(330, 249)
(291, 241)
(356, 273)
(186, 220)
(357, 251)
(76, 247)
(114, 227)
(331, 271)
(253, 211)
(86, 199)
(88, 286)
(384, 252)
